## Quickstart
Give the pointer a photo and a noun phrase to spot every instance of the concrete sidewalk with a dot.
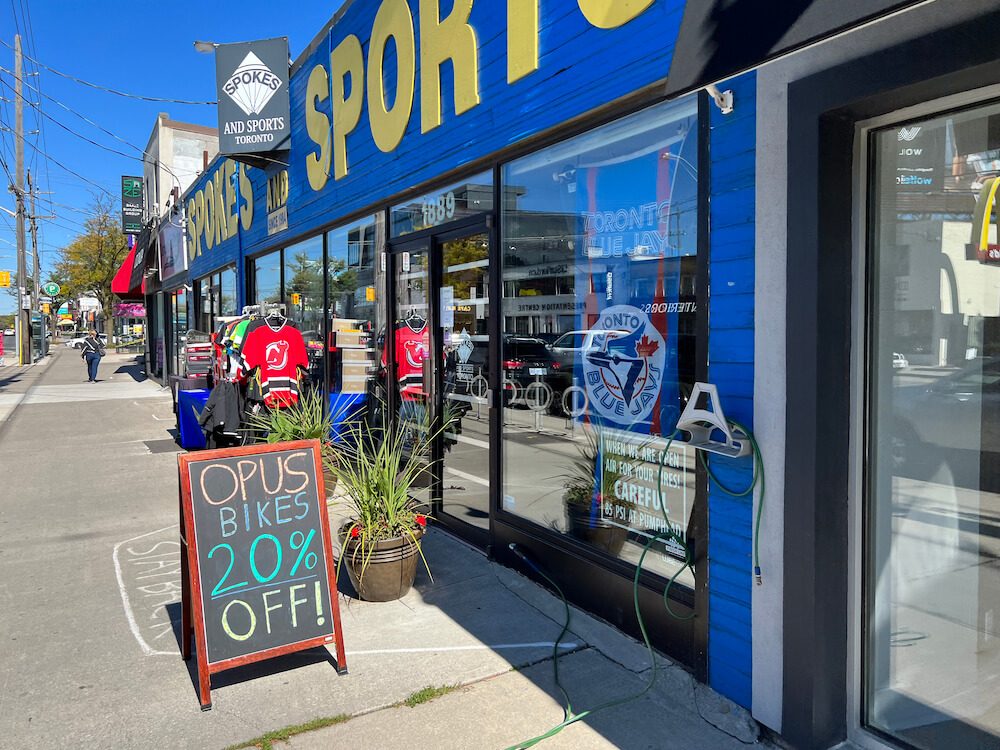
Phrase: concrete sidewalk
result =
(92, 614)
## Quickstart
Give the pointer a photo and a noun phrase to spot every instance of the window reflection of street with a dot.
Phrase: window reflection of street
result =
(467, 444)
(932, 542)
(945, 559)
(544, 454)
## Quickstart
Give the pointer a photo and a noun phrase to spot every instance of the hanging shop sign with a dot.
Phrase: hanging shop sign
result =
(130, 310)
(173, 259)
(258, 574)
(131, 205)
(252, 81)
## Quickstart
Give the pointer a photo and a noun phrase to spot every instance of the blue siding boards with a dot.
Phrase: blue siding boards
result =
(731, 352)
(580, 67)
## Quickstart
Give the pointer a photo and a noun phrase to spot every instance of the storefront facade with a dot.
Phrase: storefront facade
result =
(534, 222)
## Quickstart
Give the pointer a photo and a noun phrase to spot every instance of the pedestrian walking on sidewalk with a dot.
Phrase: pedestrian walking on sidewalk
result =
(92, 351)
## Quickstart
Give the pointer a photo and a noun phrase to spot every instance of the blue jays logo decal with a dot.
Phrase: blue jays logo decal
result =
(623, 365)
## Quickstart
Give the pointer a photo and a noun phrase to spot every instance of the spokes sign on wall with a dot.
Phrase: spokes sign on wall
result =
(252, 80)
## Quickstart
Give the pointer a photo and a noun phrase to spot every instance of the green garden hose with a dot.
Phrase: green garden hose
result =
(568, 716)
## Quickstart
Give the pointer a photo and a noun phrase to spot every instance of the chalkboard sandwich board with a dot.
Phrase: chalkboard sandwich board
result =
(258, 577)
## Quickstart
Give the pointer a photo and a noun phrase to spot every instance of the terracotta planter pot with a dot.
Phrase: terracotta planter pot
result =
(389, 566)
(329, 481)
(595, 531)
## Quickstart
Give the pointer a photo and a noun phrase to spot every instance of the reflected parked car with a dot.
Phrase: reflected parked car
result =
(77, 343)
(573, 344)
(526, 360)
(953, 419)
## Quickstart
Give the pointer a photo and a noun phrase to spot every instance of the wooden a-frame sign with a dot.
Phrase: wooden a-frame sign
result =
(257, 571)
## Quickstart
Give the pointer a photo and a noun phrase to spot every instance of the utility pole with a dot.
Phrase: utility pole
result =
(37, 276)
(23, 340)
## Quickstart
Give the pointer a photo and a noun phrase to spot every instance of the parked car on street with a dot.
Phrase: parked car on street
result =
(77, 343)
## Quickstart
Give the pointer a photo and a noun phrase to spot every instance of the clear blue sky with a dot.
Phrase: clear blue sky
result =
(140, 48)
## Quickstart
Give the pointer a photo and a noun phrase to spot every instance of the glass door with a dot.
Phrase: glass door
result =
(464, 333)
(931, 650)
(441, 369)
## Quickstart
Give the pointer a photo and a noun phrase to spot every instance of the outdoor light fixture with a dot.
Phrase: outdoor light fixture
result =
(206, 47)
(723, 99)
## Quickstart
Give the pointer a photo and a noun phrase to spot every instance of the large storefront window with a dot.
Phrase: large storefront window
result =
(304, 285)
(227, 293)
(932, 582)
(355, 316)
(179, 323)
(599, 244)
(216, 297)
(267, 278)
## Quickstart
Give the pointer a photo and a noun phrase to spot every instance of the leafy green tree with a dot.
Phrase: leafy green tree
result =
(12, 289)
(88, 265)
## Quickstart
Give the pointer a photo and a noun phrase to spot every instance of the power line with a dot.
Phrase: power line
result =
(75, 174)
(95, 143)
(104, 88)
(82, 117)
(70, 208)
(88, 140)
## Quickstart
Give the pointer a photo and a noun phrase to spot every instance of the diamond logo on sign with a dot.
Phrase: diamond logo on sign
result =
(465, 346)
(252, 85)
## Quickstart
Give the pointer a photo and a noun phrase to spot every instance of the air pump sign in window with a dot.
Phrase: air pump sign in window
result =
(252, 79)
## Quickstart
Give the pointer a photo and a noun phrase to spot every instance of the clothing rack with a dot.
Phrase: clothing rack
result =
(264, 309)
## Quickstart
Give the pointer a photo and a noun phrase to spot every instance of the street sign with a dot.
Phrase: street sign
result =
(258, 573)
(51, 289)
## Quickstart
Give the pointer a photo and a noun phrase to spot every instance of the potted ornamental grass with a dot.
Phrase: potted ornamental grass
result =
(375, 472)
(586, 485)
(306, 419)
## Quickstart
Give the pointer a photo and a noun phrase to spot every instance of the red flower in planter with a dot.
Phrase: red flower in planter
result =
(421, 520)
(354, 532)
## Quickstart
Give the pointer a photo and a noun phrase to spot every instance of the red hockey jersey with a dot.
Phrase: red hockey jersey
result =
(278, 353)
(412, 348)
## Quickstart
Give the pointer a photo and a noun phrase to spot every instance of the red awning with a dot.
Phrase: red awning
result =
(121, 284)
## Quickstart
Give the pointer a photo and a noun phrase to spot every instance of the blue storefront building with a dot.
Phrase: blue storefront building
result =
(551, 220)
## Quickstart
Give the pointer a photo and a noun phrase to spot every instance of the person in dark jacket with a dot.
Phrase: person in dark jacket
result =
(91, 352)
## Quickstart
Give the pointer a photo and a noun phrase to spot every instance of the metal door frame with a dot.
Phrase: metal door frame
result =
(432, 240)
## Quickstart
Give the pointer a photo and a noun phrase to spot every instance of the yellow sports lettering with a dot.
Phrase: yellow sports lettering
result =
(451, 39)
(610, 14)
(232, 226)
(221, 221)
(318, 127)
(388, 125)
(246, 190)
(346, 60)
(194, 244)
(522, 38)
